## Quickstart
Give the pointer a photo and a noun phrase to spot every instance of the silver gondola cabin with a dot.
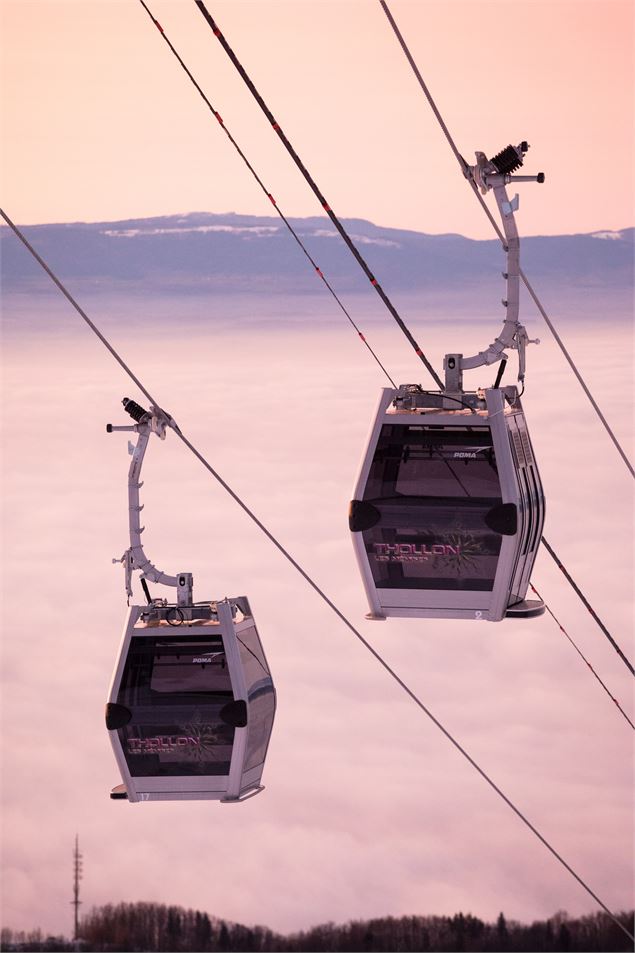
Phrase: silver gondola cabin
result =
(191, 703)
(448, 509)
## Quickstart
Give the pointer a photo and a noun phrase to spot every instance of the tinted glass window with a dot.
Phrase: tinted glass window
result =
(252, 657)
(432, 488)
(189, 668)
(175, 689)
(434, 461)
(260, 694)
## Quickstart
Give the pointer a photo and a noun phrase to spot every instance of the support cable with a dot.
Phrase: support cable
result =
(586, 603)
(211, 22)
(287, 555)
(290, 227)
(264, 188)
(325, 205)
(82, 313)
(584, 659)
(466, 172)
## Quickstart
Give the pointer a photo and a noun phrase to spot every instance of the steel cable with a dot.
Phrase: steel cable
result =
(312, 184)
(582, 656)
(465, 170)
(586, 603)
(209, 19)
(264, 188)
(287, 555)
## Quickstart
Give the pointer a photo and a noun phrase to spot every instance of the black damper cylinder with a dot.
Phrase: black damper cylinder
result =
(507, 160)
(134, 409)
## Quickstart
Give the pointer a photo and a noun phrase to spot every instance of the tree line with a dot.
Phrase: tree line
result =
(156, 927)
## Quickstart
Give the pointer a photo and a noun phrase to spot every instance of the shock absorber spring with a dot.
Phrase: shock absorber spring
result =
(134, 409)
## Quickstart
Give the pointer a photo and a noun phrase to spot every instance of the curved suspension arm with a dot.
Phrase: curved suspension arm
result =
(134, 557)
(513, 334)
(138, 557)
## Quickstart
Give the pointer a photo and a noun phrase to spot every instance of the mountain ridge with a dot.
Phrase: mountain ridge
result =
(201, 250)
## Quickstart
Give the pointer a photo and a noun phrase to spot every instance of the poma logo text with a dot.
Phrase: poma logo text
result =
(410, 552)
(161, 743)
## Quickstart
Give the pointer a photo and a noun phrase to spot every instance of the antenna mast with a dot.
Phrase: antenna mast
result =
(77, 876)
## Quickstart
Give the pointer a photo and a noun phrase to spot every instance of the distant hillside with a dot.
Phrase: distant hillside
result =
(153, 926)
(199, 251)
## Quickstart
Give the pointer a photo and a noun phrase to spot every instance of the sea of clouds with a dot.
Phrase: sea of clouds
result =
(368, 809)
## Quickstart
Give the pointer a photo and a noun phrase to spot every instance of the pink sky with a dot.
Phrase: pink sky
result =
(101, 123)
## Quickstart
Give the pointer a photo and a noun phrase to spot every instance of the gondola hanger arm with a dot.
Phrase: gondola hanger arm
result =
(154, 421)
(495, 174)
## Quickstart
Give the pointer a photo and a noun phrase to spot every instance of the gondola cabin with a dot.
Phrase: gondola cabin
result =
(448, 510)
(191, 704)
